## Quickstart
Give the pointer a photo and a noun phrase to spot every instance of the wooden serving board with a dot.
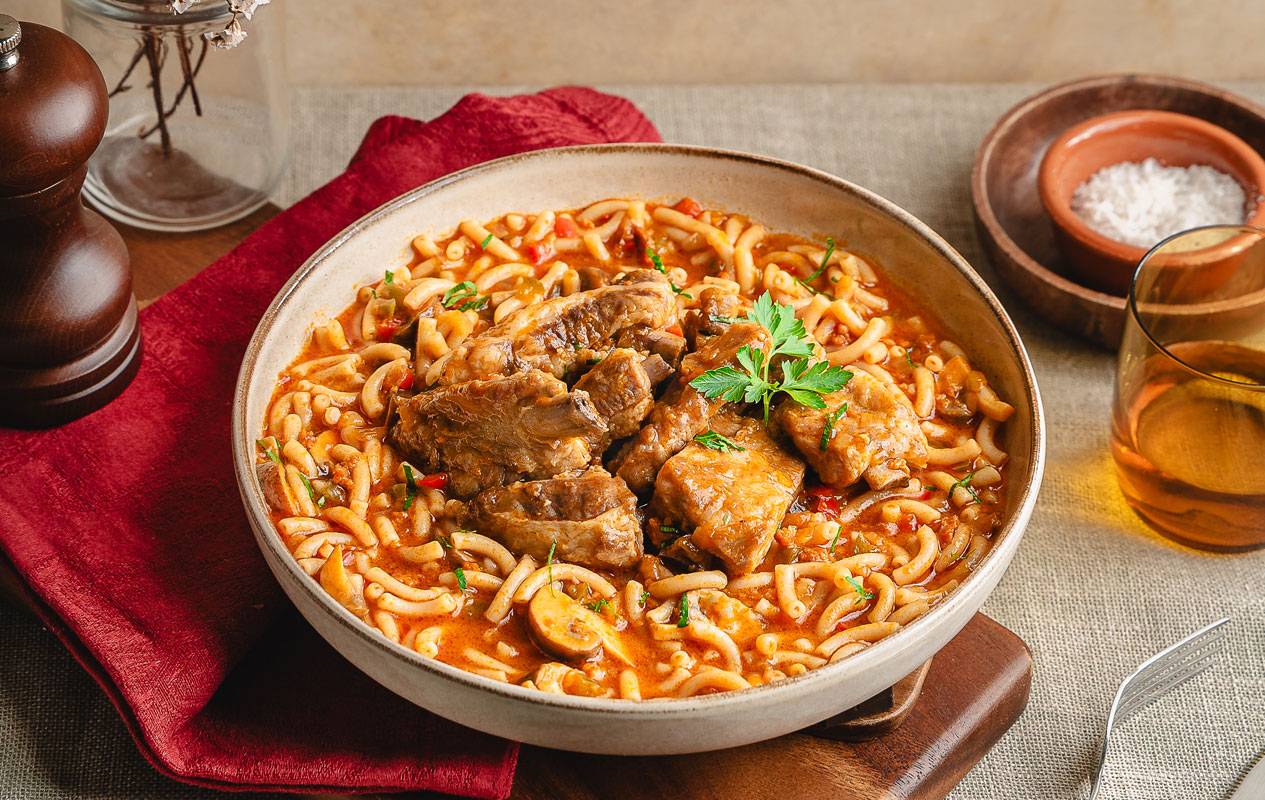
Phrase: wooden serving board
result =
(913, 741)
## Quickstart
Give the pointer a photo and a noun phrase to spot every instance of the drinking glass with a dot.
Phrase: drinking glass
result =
(1188, 416)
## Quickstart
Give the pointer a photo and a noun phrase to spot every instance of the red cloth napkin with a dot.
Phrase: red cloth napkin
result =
(128, 530)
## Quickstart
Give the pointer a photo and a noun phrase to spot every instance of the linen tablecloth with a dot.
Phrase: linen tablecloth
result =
(1091, 590)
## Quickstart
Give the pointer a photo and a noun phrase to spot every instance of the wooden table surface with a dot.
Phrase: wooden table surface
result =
(977, 685)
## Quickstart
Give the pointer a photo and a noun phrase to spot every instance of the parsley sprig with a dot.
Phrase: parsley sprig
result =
(807, 282)
(461, 577)
(965, 483)
(464, 297)
(410, 487)
(717, 441)
(658, 264)
(835, 541)
(828, 430)
(803, 379)
(599, 604)
(861, 591)
(683, 612)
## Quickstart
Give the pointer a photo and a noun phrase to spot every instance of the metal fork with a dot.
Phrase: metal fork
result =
(1158, 675)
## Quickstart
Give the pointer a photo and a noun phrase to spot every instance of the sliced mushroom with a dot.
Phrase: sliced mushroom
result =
(950, 400)
(341, 586)
(562, 627)
(272, 481)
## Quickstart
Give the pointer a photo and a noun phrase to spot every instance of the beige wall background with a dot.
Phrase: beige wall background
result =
(457, 42)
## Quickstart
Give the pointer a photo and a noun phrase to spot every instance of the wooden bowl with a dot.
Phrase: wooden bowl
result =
(1013, 225)
(1175, 140)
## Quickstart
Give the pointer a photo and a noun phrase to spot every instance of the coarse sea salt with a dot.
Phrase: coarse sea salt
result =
(1141, 203)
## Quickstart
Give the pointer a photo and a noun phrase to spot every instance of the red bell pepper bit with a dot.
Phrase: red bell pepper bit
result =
(689, 206)
(407, 382)
(437, 481)
(387, 329)
(565, 228)
(540, 252)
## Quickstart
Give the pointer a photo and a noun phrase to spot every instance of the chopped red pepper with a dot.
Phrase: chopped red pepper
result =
(689, 206)
(540, 252)
(387, 329)
(828, 506)
(437, 481)
(907, 523)
(675, 330)
(407, 382)
(565, 228)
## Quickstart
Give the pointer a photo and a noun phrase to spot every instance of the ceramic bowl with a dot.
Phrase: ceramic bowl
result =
(1175, 140)
(783, 197)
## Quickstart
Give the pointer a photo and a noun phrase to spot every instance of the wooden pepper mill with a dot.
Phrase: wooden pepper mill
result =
(69, 339)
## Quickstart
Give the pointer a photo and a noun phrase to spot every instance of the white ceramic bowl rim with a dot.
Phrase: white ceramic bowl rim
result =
(1006, 539)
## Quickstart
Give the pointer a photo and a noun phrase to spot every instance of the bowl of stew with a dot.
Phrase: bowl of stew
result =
(637, 449)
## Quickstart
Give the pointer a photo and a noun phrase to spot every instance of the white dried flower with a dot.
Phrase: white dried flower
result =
(230, 37)
(181, 6)
(245, 7)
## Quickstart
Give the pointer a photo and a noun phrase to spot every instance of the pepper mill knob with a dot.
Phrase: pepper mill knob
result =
(10, 38)
(69, 339)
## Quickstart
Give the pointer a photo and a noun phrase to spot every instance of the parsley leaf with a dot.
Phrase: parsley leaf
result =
(599, 604)
(828, 432)
(658, 262)
(835, 541)
(965, 483)
(645, 596)
(268, 451)
(461, 577)
(909, 356)
(410, 491)
(864, 595)
(549, 564)
(717, 441)
(483, 245)
(683, 612)
(669, 529)
(464, 297)
(444, 541)
(830, 250)
(389, 277)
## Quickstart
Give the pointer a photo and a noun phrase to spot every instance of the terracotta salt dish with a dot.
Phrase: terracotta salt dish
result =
(1175, 140)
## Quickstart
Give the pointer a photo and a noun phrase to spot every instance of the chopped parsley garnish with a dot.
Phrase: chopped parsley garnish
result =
(830, 250)
(464, 297)
(658, 264)
(828, 432)
(483, 245)
(549, 564)
(268, 451)
(864, 595)
(804, 380)
(965, 483)
(576, 345)
(307, 484)
(444, 541)
(389, 277)
(645, 596)
(593, 361)
(599, 604)
(410, 487)
(669, 529)
(717, 441)
(461, 577)
(683, 612)
(909, 356)
(725, 320)
(835, 541)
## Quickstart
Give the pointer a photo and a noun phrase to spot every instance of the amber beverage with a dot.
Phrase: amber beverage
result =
(1188, 418)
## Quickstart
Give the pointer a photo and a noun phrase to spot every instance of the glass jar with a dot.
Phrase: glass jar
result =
(197, 135)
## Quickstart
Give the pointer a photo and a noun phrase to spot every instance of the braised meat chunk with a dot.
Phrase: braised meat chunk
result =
(877, 437)
(488, 433)
(717, 309)
(730, 500)
(622, 389)
(683, 413)
(549, 335)
(592, 517)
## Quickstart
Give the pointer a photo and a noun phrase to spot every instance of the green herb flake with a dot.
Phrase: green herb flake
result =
(680, 291)
(549, 564)
(444, 541)
(965, 483)
(716, 441)
(658, 262)
(909, 356)
(389, 277)
(683, 612)
(599, 604)
(861, 592)
(835, 541)
(307, 484)
(724, 320)
(828, 431)
(410, 491)
(459, 294)
(269, 451)
(669, 529)
(830, 250)
(576, 345)
(645, 596)
(461, 577)
(483, 245)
